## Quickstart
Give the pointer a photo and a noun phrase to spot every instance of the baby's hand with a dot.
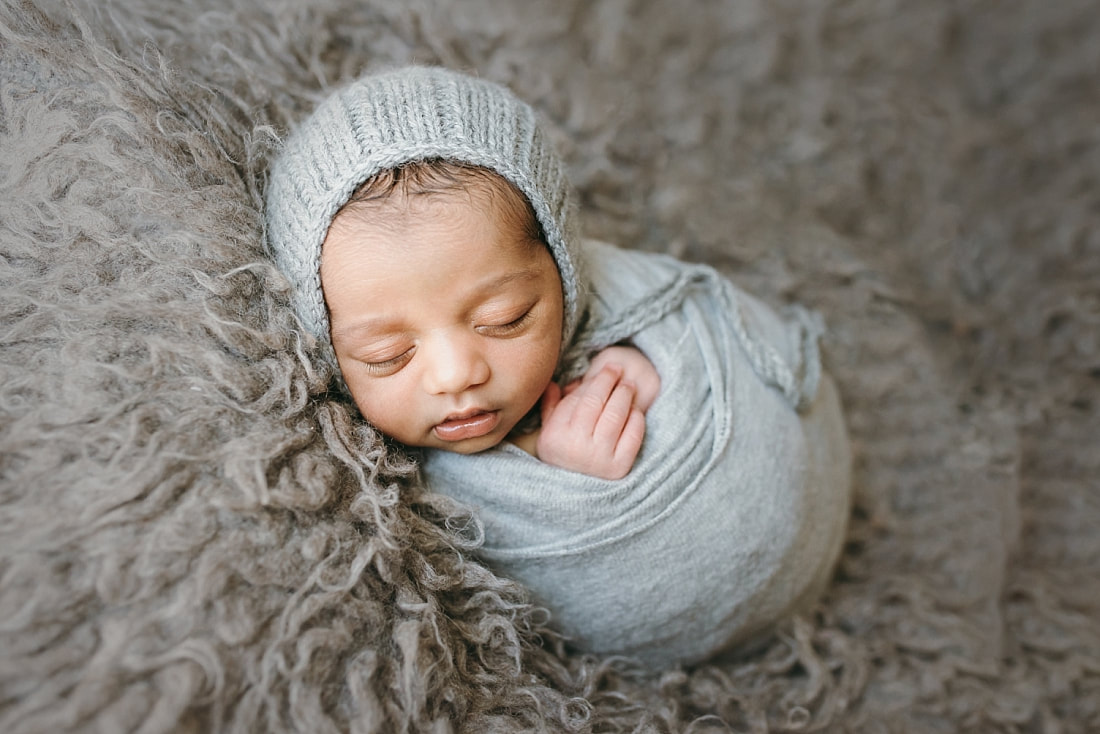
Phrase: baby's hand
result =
(597, 428)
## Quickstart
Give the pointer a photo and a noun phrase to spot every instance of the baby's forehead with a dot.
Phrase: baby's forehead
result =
(464, 234)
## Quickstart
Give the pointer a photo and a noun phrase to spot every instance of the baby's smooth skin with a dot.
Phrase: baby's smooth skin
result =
(446, 320)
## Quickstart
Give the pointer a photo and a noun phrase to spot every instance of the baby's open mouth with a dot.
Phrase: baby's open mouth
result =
(471, 424)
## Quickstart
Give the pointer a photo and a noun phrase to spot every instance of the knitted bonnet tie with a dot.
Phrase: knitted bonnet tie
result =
(384, 120)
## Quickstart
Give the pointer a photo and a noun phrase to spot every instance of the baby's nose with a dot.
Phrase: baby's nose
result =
(456, 364)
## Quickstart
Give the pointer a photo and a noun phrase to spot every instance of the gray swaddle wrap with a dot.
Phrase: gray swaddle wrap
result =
(734, 513)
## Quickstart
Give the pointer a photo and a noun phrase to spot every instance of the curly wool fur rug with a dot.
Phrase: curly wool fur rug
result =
(196, 537)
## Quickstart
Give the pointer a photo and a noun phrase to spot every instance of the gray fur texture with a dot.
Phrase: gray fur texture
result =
(195, 536)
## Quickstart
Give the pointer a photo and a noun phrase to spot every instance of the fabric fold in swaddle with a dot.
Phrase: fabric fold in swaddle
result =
(734, 512)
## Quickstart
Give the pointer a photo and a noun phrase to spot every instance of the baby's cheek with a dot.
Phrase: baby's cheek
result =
(531, 363)
(374, 405)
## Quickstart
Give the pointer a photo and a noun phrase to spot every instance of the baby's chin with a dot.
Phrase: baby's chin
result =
(472, 446)
(525, 441)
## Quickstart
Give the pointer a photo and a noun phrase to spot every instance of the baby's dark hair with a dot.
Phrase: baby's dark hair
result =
(439, 175)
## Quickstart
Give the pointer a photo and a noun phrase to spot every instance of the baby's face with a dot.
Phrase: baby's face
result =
(446, 317)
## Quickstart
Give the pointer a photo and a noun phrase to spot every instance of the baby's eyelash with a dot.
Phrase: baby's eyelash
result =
(388, 366)
(511, 326)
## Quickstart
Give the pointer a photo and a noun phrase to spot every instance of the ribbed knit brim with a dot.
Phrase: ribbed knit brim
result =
(384, 120)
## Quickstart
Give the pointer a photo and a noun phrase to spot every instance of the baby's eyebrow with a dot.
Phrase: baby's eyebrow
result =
(371, 326)
(495, 284)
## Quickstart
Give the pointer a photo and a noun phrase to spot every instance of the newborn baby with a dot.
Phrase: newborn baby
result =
(655, 454)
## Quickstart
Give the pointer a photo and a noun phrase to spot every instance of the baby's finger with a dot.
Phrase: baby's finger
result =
(592, 396)
(630, 442)
(616, 412)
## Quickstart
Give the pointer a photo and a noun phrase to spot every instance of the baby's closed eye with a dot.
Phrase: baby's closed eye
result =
(507, 325)
(383, 366)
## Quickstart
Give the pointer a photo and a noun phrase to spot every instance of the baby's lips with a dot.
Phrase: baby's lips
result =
(473, 426)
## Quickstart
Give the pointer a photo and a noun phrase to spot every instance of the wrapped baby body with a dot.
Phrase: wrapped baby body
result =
(734, 513)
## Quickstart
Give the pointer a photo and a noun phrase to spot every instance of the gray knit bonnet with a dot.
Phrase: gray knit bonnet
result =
(384, 120)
